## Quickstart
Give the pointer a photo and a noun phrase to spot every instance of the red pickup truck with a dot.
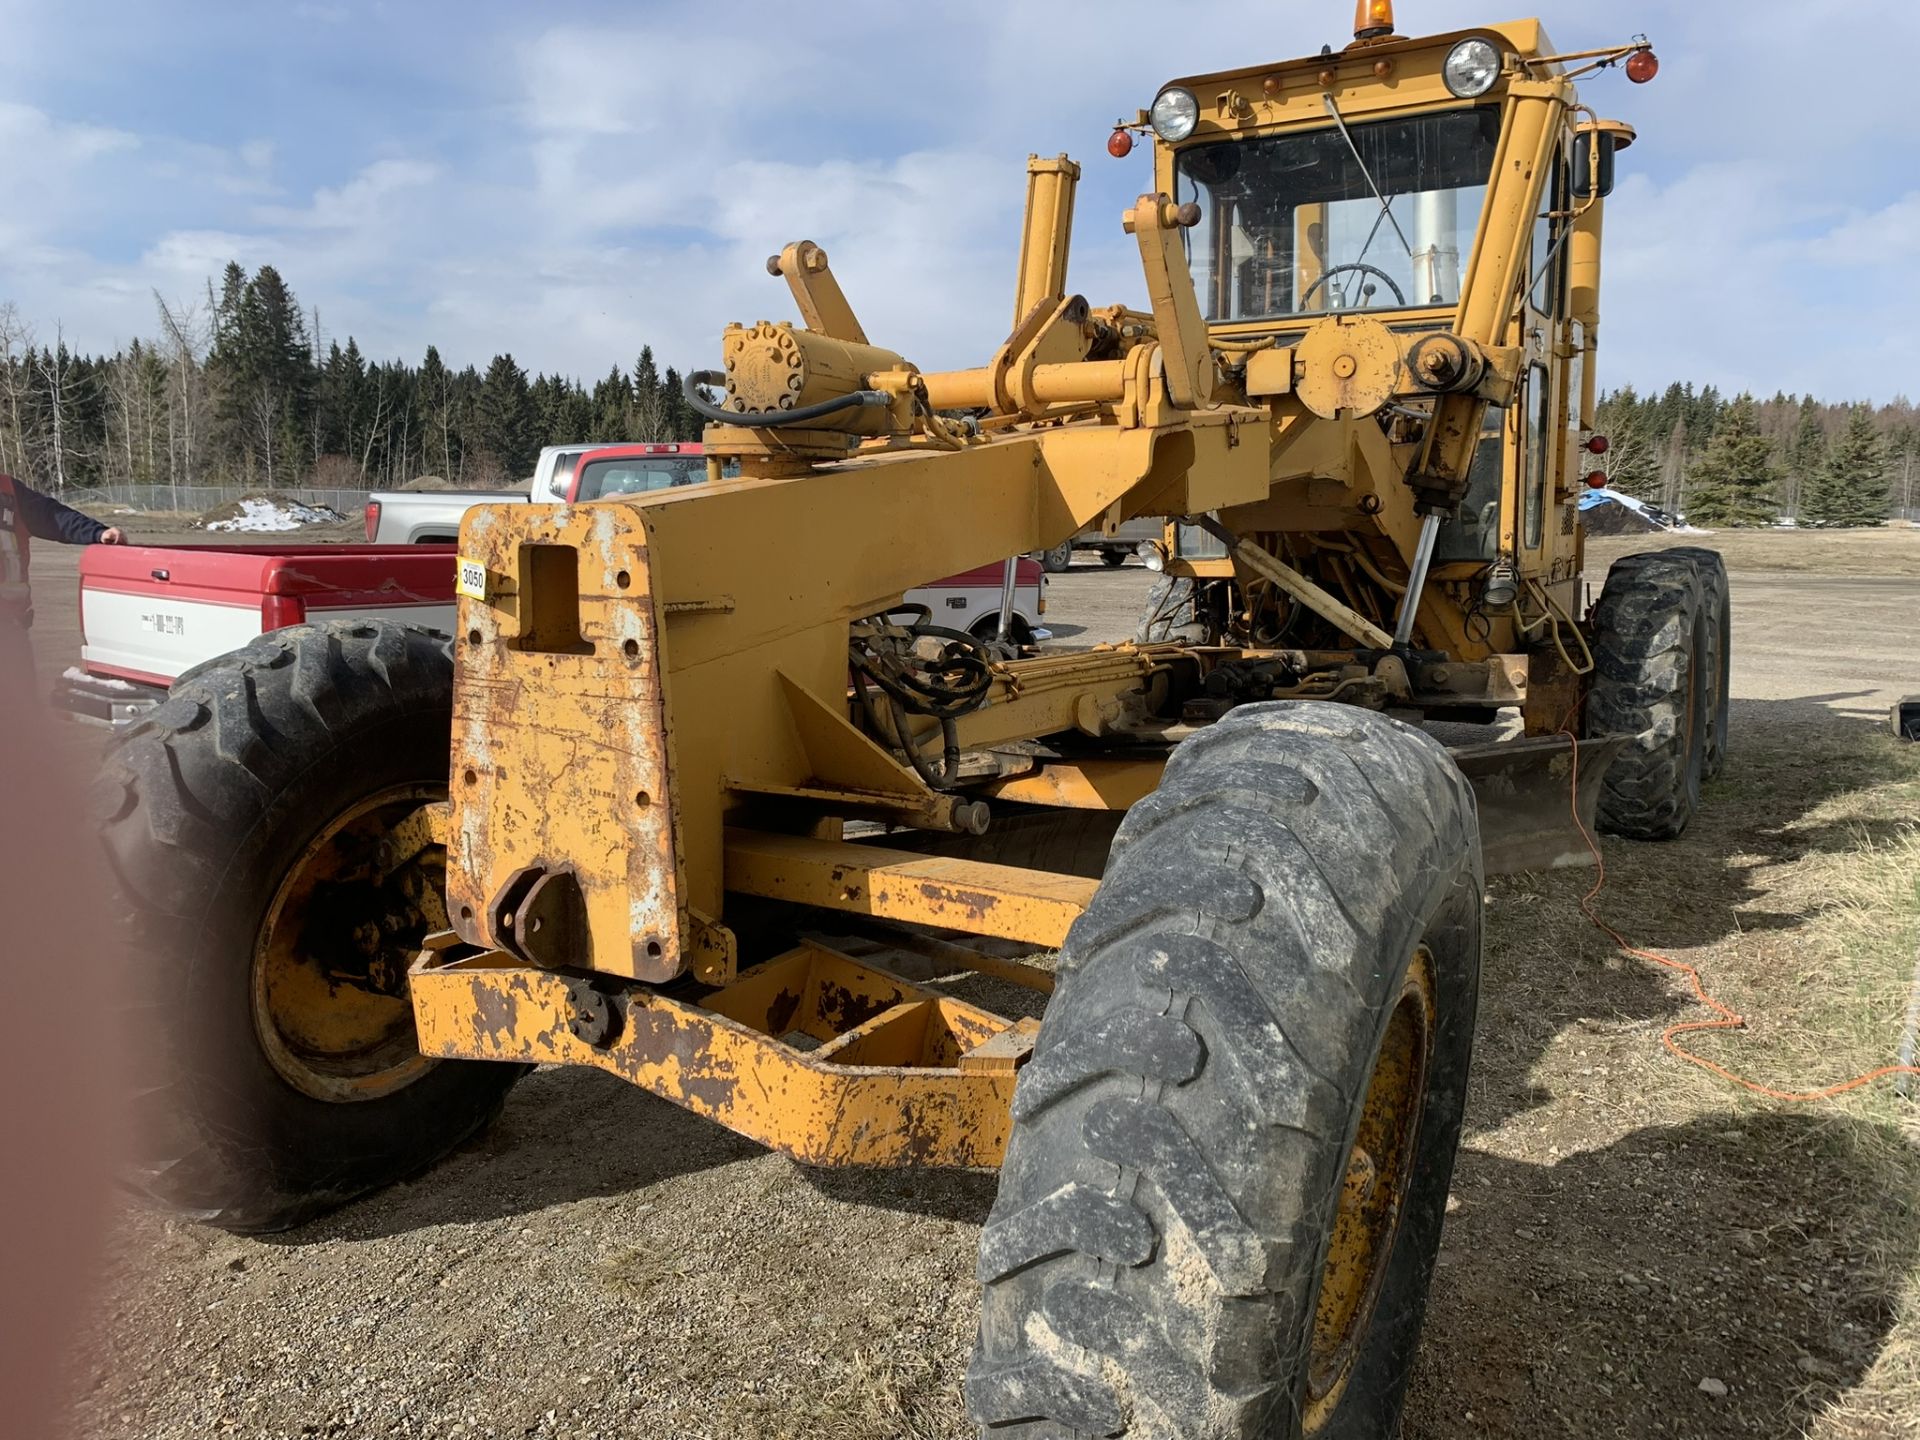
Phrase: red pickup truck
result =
(149, 612)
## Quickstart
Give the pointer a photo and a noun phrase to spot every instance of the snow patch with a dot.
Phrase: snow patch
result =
(98, 682)
(259, 516)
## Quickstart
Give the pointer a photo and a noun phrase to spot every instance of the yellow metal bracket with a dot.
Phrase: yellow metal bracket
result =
(1156, 222)
(818, 295)
(1001, 900)
(819, 1056)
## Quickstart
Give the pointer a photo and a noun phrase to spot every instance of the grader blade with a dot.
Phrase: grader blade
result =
(1528, 799)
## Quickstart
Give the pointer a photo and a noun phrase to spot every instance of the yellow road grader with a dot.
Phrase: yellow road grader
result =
(689, 798)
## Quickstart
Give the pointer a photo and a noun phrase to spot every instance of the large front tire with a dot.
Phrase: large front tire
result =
(266, 826)
(1231, 1151)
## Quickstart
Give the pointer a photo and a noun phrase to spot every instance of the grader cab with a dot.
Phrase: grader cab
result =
(721, 820)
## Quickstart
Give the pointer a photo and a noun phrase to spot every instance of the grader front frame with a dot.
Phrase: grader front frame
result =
(688, 720)
(652, 707)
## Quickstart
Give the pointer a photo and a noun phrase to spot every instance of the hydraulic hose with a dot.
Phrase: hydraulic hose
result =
(763, 419)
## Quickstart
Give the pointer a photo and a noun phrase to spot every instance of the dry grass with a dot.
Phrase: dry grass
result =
(1858, 980)
(1891, 551)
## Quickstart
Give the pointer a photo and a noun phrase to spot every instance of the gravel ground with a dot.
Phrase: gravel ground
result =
(1634, 1250)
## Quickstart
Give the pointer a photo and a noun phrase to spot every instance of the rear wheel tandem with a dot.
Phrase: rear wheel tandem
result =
(1712, 568)
(1231, 1150)
(1655, 680)
(267, 828)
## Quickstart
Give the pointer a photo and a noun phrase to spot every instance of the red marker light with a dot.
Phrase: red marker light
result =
(1597, 444)
(1120, 144)
(1598, 480)
(1642, 66)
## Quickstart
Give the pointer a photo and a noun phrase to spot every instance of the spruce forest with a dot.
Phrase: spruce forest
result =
(1732, 461)
(238, 389)
(241, 388)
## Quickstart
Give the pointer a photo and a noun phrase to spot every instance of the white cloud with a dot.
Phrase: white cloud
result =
(580, 189)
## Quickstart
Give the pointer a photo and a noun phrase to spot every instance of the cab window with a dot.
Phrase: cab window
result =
(1291, 224)
(638, 474)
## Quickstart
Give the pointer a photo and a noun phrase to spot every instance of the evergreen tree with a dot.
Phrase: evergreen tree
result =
(1851, 489)
(434, 387)
(612, 407)
(263, 372)
(682, 422)
(1733, 482)
(652, 415)
(1806, 455)
(505, 422)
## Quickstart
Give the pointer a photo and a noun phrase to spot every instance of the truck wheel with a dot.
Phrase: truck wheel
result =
(1059, 559)
(1713, 578)
(1231, 1150)
(1113, 559)
(1652, 682)
(266, 827)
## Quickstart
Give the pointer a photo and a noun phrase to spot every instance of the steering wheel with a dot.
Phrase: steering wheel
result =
(1326, 275)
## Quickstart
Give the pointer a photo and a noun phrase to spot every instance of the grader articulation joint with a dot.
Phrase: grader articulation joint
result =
(726, 820)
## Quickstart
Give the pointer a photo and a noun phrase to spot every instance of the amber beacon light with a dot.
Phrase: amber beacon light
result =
(1372, 18)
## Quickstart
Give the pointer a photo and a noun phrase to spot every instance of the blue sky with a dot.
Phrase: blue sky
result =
(567, 181)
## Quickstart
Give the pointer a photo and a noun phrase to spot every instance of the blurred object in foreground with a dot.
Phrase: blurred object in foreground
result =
(58, 1040)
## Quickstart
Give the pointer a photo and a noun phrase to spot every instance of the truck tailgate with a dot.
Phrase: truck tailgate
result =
(149, 612)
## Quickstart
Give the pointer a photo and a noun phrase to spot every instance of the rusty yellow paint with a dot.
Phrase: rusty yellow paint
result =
(1083, 784)
(999, 900)
(890, 1074)
(326, 979)
(1373, 1194)
(648, 679)
(560, 759)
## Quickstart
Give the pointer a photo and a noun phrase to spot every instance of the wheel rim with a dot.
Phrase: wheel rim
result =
(1373, 1194)
(329, 972)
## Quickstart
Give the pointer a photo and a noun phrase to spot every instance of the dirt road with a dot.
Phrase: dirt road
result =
(1634, 1248)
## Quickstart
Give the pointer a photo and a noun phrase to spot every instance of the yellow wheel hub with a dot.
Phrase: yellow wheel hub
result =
(329, 975)
(1373, 1195)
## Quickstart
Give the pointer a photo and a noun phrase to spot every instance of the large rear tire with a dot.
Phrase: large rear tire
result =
(267, 830)
(1652, 682)
(1231, 1151)
(1712, 567)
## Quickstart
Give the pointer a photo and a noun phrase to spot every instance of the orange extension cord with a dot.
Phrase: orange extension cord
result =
(1727, 1019)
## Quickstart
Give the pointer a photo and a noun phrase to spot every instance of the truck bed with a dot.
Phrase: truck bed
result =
(148, 612)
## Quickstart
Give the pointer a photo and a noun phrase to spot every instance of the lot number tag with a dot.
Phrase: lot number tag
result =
(472, 580)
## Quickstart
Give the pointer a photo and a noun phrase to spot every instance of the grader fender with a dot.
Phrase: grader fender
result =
(1529, 801)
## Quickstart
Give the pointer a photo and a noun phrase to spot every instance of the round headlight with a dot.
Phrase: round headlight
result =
(1175, 113)
(1472, 67)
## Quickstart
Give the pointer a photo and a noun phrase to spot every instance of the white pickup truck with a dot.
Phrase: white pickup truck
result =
(432, 517)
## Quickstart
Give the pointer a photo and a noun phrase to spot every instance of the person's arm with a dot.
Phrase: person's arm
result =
(48, 519)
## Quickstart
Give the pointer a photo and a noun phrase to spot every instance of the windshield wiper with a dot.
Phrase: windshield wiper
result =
(1386, 209)
(1375, 231)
